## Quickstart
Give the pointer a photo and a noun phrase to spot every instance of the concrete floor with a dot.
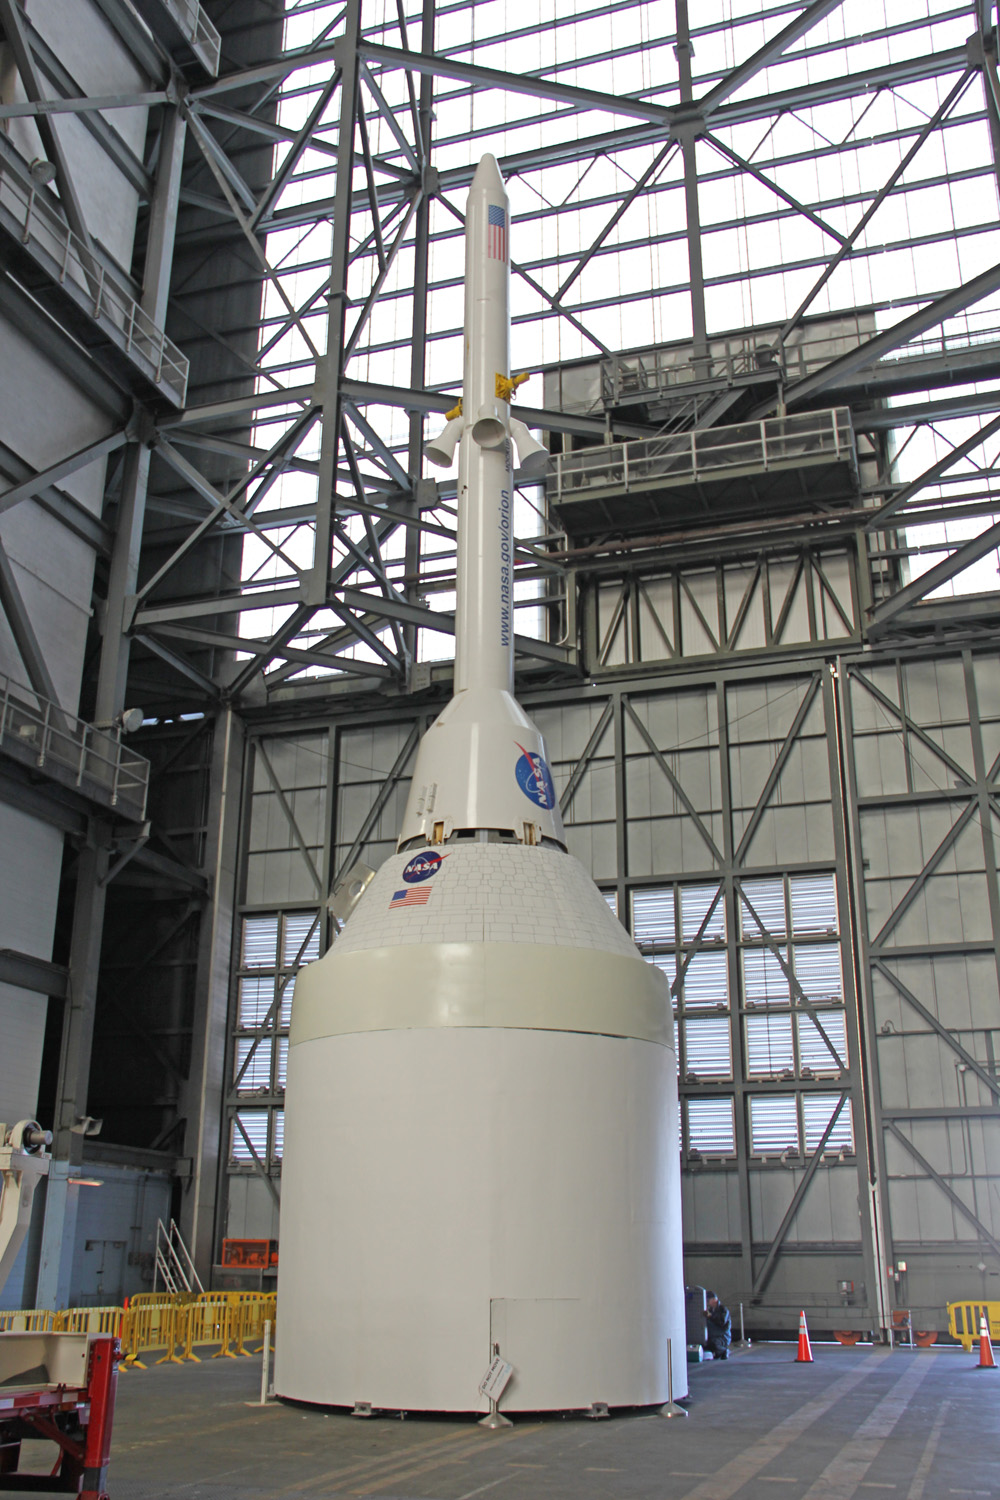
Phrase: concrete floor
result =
(904, 1426)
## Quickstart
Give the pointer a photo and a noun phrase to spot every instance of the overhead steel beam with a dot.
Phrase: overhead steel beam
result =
(430, 619)
(23, 631)
(29, 488)
(35, 974)
(846, 245)
(900, 333)
(14, 25)
(963, 557)
(765, 56)
(58, 503)
(880, 516)
(329, 367)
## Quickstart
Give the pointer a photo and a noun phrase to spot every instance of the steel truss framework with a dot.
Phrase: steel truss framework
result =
(669, 205)
(350, 543)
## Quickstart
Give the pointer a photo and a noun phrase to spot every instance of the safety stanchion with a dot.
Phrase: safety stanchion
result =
(805, 1355)
(986, 1360)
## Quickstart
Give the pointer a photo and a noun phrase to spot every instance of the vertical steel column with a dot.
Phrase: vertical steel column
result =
(686, 134)
(92, 869)
(876, 1208)
(329, 369)
(418, 351)
(731, 898)
(853, 986)
(202, 1103)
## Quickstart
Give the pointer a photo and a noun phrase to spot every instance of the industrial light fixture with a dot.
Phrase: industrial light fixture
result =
(127, 721)
(42, 172)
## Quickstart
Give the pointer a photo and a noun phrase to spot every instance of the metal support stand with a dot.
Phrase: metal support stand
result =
(265, 1364)
(495, 1419)
(671, 1409)
(744, 1342)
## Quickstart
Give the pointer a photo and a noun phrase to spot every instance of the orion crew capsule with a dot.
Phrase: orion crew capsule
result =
(481, 1114)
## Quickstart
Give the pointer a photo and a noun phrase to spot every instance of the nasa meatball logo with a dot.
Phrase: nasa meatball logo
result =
(535, 779)
(422, 867)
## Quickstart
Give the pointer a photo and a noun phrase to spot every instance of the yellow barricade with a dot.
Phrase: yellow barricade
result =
(963, 1321)
(37, 1320)
(145, 1328)
(155, 1299)
(88, 1320)
(174, 1323)
(205, 1322)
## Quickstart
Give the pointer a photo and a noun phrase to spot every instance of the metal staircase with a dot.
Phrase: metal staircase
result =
(173, 1265)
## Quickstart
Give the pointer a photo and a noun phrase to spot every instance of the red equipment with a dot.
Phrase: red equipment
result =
(249, 1254)
(76, 1417)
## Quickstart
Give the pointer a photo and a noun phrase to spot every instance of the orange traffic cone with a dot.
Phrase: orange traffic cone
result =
(805, 1354)
(986, 1360)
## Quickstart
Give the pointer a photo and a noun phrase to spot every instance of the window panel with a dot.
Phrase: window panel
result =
(254, 1122)
(653, 916)
(711, 1126)
(258, 1073)
(818, 971)
(706, 980)
(300, 928)
(708, 1049)
(255, 997)
(813, 1051)
(611, 897)
(814, 903)
(764, 981)
(774, 1124)
(695, 902)
(260, 942)
(278, 1146)
(281, 1073)
(816, 1112)
(769, 1045)
(767, 897)
(287, 985)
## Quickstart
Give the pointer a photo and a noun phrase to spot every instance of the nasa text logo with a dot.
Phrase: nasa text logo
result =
(422, 867)
(535, 779)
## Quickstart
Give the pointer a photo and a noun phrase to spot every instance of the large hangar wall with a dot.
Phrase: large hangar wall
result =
(806, 847)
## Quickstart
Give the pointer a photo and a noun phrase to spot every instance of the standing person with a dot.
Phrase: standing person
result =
(720, 1327)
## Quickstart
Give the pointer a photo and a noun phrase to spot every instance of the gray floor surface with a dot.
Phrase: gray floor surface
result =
(918, 1425)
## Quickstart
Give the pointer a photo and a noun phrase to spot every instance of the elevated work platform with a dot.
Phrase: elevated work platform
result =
(186, 32)
(58, 747)
(98, 307)
(717, 471)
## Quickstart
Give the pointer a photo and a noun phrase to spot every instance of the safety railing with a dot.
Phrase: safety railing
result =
(40, 734)
(108, 300)
(648, 373)
(199, 30)
(777, 442)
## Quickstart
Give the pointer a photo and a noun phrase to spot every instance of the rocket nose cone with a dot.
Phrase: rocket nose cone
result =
(488, 176)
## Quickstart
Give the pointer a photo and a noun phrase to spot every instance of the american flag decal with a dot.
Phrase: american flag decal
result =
(496, 238)
(414, 895)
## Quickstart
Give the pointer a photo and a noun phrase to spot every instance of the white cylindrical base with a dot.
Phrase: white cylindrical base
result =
(449, 1189)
